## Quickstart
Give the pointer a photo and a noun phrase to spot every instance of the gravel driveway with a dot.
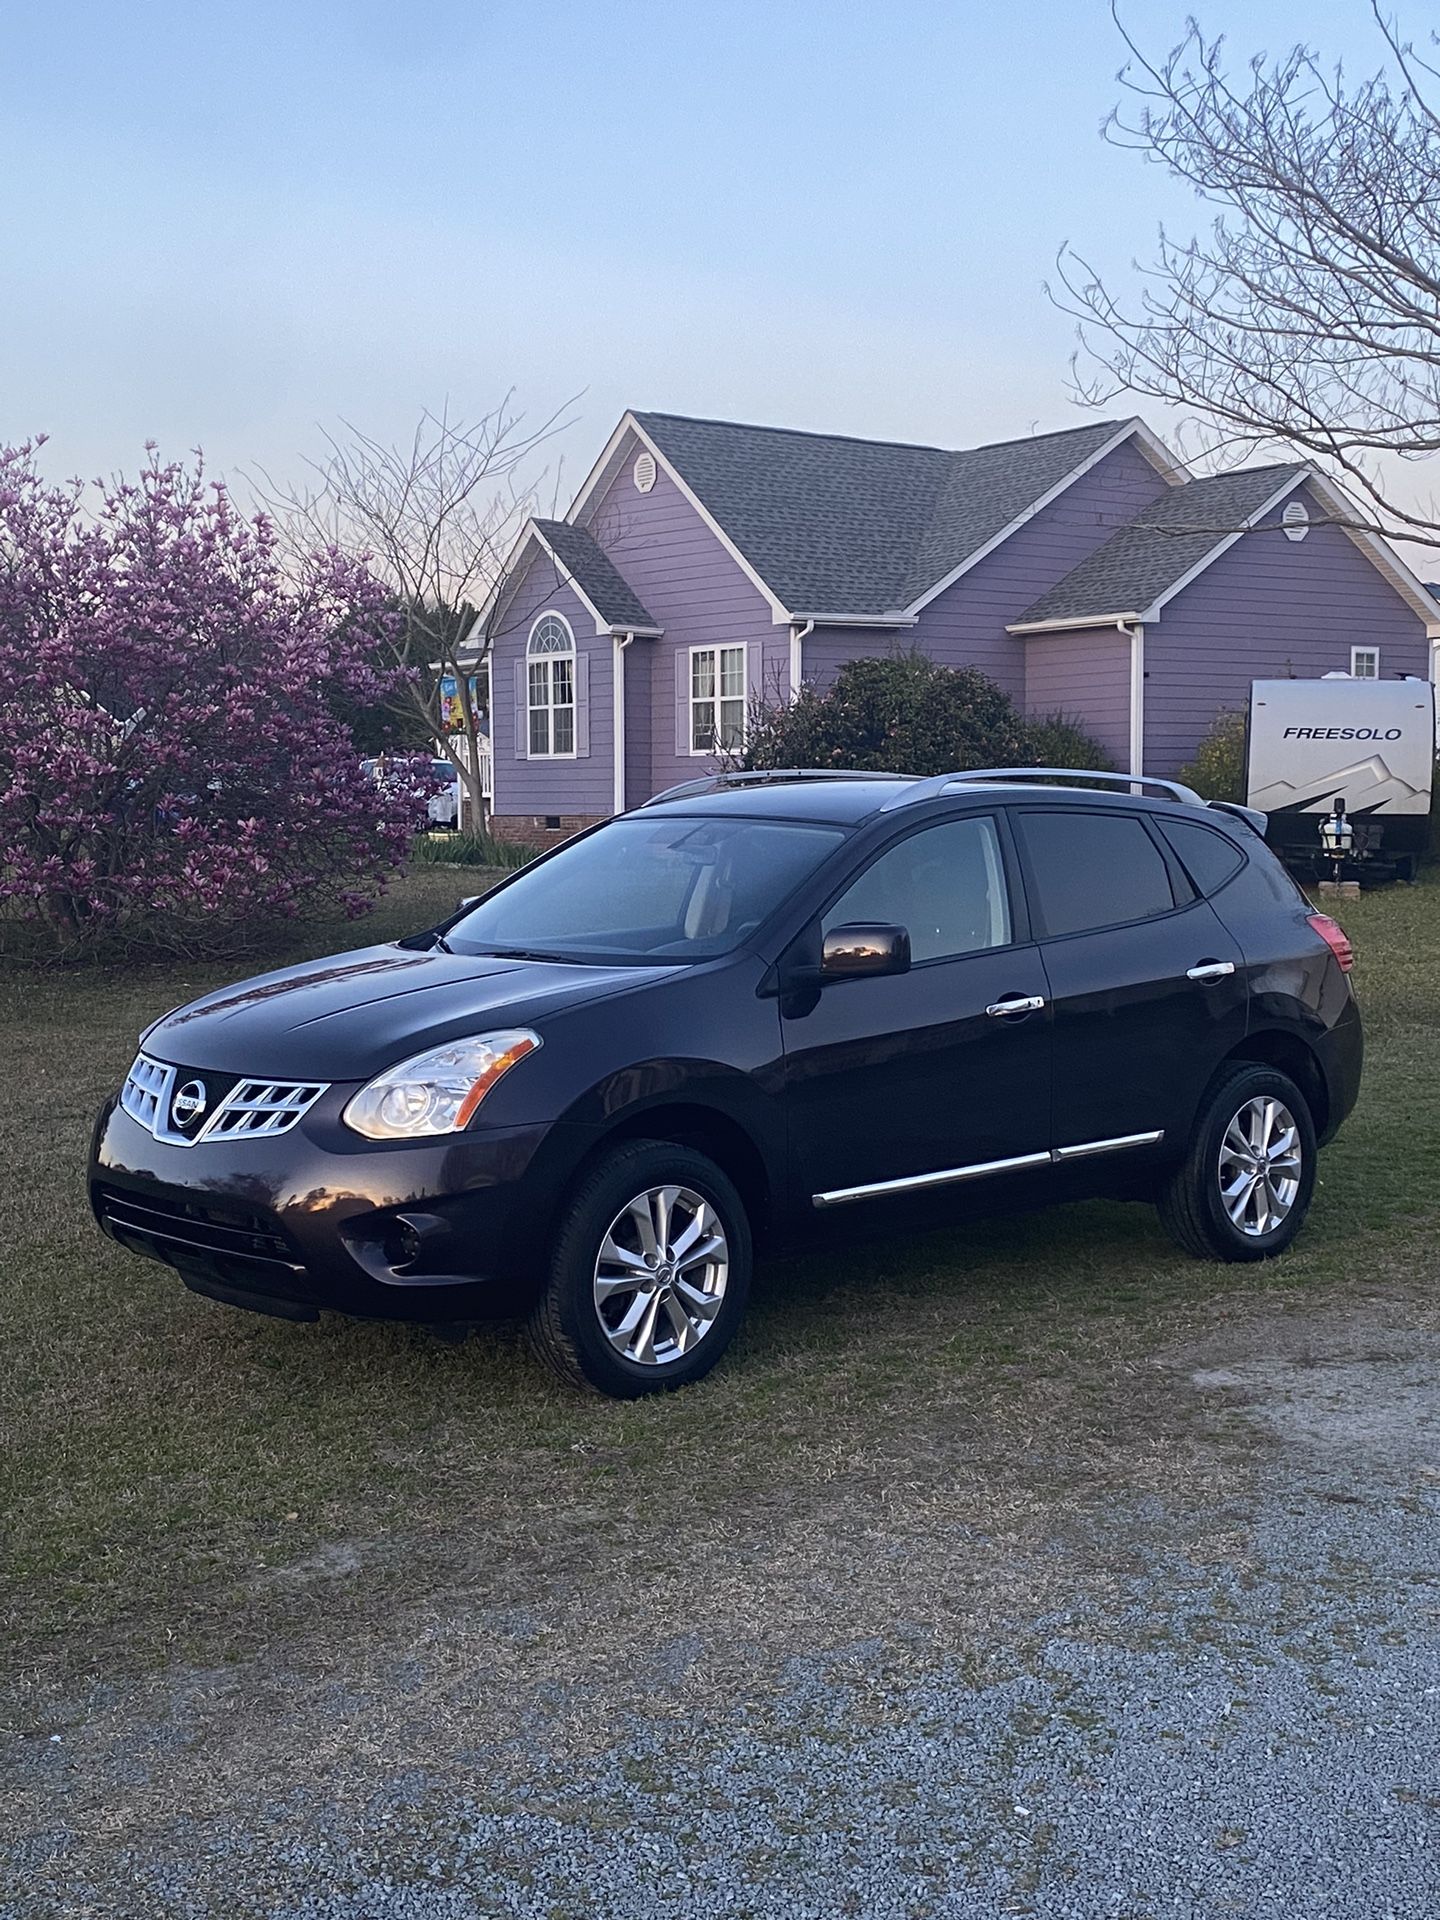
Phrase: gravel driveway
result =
(1206, 1684)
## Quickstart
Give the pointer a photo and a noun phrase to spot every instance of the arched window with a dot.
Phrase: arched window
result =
(551, 679)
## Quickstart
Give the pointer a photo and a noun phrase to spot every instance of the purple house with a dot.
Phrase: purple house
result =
(705, 563)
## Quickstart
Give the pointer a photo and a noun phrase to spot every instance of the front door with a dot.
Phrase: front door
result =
(1148, 987)
(934, 1077)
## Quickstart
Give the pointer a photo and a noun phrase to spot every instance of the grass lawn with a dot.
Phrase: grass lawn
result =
(166, 1464)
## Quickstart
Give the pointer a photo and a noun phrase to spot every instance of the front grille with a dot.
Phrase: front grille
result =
(262, 1108)
(172, 1226)
(145, 1095)
(247, 1110)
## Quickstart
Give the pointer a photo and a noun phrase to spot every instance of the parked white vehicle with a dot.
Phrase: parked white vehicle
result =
(443, 806)
(1366, 746)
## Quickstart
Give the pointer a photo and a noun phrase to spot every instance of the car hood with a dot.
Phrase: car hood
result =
(353, 1014)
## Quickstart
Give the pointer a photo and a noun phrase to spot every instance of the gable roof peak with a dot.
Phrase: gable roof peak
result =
(830, 525)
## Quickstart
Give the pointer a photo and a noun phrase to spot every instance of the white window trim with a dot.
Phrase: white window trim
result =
(717, 647)
(1365, 676)
(552, 613)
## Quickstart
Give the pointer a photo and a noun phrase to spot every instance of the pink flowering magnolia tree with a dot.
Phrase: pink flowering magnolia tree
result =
(172, 771)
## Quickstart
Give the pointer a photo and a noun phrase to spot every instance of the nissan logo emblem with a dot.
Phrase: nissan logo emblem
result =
(188, 1104)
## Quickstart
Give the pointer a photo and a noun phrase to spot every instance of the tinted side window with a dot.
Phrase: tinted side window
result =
(1093, 869)
(946, 884)
(1208, 857)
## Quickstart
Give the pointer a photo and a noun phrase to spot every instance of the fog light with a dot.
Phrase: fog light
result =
(402, 1245)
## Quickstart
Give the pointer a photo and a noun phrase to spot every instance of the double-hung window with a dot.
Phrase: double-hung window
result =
(717, 698)
(550, 663)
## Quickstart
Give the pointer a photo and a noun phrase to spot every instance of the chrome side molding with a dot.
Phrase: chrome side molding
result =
(911, 1181)
(1120, 1141)
(951, 1176)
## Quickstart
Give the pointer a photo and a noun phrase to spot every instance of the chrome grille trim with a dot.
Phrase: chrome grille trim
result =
(259, 1109)
(145, 1095)
(251, 1110)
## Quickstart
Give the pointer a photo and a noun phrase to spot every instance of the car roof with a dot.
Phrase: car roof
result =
(849, 802)
(844, 801)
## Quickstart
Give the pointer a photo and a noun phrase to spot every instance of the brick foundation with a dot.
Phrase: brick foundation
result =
(541, 829)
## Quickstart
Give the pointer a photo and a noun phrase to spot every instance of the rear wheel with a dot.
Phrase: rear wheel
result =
(648, 1274)
(1243, 1189)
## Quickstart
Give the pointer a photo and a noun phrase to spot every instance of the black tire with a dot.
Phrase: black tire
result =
(1191, 1203)
(566, 1328)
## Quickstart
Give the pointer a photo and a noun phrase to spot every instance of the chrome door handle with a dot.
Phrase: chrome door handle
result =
(1015, 1003)
(1209, 970)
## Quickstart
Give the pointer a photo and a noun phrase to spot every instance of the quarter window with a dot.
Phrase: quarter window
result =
(551, 687)
(717, 698)
(945, 885)
(1093, 869)
(1208, 857)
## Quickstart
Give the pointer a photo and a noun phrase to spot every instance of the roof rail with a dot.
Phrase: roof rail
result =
(762, 777)
(942, 782)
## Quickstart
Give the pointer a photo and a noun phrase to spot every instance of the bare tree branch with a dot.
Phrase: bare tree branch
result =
(1306, 316)
(436, 518)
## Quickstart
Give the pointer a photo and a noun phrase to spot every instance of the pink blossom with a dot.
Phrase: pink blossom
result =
(171, 765)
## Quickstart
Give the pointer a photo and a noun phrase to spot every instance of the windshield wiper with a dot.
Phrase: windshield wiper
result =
(526, 953)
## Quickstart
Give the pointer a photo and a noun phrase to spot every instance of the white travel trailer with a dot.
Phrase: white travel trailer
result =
(1367, 746)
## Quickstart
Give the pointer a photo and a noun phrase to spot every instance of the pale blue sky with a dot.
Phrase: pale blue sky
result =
(224, 226)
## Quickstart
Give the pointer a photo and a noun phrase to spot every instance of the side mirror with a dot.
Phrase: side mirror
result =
(864, 947)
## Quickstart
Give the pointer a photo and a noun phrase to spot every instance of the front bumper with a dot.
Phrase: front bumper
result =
(318, 1220)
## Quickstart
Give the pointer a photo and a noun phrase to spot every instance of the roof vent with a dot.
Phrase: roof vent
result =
(1295, 520)
(644, 473)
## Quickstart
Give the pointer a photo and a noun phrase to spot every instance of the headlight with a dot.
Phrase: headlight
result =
(436, 1092)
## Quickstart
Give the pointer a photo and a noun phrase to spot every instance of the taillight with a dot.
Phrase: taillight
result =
(1335, 937)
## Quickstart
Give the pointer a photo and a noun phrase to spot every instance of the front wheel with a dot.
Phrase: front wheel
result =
(1244, 1186)
(648, 1274)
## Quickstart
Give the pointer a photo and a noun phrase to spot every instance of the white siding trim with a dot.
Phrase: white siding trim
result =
(1137, 699)
(1154, 451)
(1064, 626)
(798, 636)
(617, 689)
(610, 461)
(1380, 554)
(512, 573)
(1152, 612)
(779, 613)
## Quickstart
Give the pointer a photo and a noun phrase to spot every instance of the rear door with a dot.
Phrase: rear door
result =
(1148, 987)
(936, 1076)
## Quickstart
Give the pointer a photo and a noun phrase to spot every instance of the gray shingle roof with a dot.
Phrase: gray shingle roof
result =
(596, 574)
(1162, 543)
(835, 525)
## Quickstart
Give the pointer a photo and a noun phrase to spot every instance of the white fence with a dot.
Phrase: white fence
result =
(487, 769)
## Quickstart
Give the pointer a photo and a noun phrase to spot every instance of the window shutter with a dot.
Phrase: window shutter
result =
(582, 705)
(682, 701)
(522, 708)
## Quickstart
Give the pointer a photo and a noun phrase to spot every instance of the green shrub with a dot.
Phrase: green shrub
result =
(472, 850)
(1218, 770)
(1059, 741)
(900, 713)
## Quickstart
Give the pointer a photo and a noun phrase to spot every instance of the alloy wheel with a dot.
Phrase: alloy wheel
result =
(660, 1275)
(1260, 1166)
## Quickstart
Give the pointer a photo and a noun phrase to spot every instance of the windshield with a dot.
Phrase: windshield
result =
(649, 889)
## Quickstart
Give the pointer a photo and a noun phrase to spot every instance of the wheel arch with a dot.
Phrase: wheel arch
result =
(705, 1129)
(1289, 1054)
